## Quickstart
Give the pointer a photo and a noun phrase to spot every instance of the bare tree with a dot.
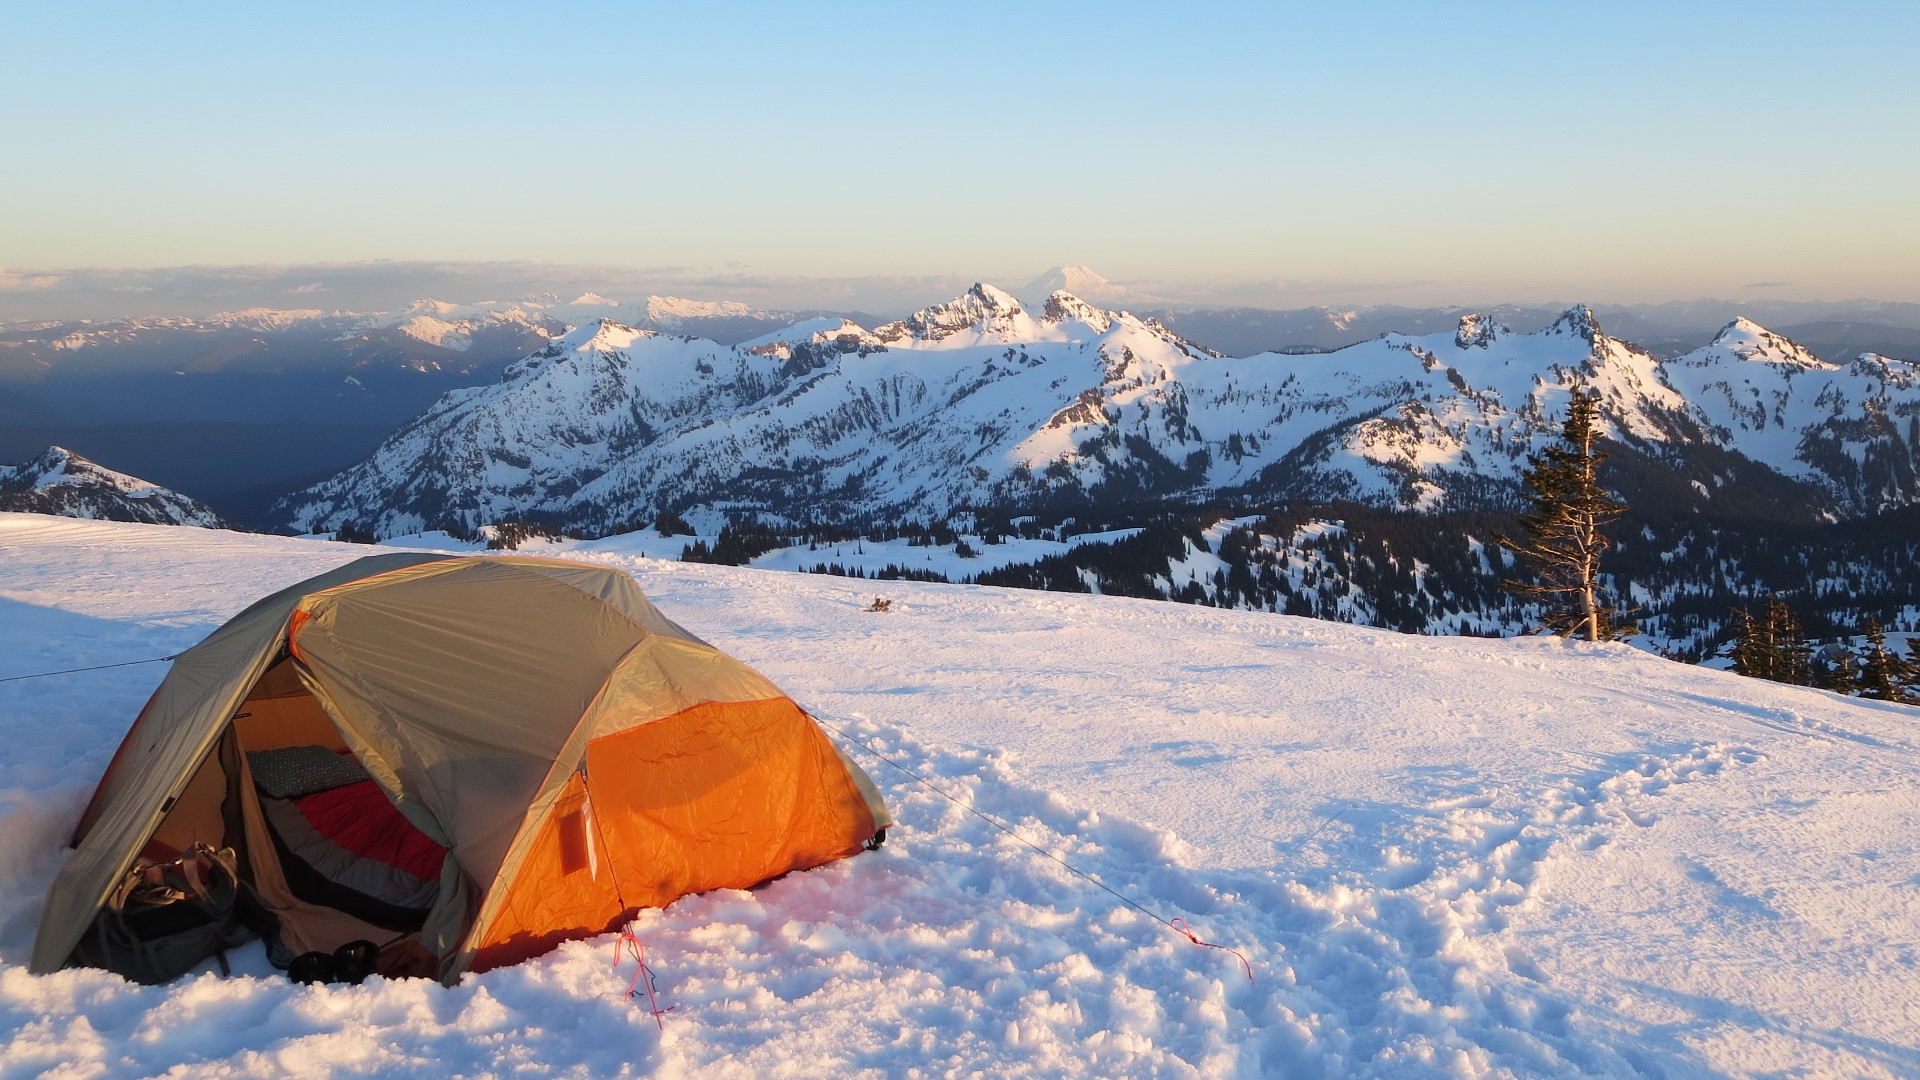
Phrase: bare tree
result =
(1564, 543)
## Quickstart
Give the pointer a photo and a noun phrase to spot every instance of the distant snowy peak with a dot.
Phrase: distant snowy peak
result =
(439, 332)
(1478, 331)
(266, 319)
(600, 336)
(1083, 282)
(1748, 340)
(982, 314)
(62, 483)
(672, 310)
(1063, 306)
(824, 330)
(1577, 321)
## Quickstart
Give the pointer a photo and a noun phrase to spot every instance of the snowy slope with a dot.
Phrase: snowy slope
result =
(62, 482)
(1443, 857)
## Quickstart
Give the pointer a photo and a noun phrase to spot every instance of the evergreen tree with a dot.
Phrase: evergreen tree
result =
(1752, 645)
(1792, 656)
(1772, 645)
(1564, 543)
(1883, 676)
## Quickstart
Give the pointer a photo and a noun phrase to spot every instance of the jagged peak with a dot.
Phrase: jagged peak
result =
(994, 298)
(1063, 305)
(982, 307)
(1478, 331)
(1577, 320)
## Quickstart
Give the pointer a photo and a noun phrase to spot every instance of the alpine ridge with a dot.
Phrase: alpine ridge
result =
(62, 483)
(978, 403)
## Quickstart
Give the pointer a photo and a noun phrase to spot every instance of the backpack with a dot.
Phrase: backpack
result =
(164, 918)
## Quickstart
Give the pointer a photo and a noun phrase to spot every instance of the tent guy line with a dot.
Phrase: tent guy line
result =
(96, 667)
(1177, 925)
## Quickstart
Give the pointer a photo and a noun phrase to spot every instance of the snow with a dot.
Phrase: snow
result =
(1442, 857)
(823, 328)
(454, 336)
(668, 309)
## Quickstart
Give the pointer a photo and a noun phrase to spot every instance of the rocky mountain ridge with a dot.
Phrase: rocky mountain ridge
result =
(978, 403)
(62, 483)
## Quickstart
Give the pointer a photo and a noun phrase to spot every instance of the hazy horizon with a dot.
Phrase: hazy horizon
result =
(1248, 155)
(388, 285)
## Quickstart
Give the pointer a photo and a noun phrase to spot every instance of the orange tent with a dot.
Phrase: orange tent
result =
(510, 752)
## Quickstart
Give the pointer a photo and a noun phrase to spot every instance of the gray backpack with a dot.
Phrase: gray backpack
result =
(164, 918)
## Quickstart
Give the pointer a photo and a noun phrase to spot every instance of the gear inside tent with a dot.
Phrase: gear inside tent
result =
(463, 760)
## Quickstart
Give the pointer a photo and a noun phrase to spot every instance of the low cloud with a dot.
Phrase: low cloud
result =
(309, 287)
(13, 282)
(1768, 285)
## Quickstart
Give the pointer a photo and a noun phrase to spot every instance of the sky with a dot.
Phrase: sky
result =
(1297, 153)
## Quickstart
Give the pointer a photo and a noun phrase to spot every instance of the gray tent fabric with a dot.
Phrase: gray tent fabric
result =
(461, 723)
(173, 734)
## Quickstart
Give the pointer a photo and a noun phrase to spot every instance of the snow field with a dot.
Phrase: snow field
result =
(1442, 857)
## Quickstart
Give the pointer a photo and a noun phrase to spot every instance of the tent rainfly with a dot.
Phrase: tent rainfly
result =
(464, 760)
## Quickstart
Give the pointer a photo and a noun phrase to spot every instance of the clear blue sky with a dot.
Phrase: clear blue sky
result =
(1618, 151)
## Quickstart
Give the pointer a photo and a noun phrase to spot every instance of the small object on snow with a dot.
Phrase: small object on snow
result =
(311, 967)
(354, 961)
(639, 953)
(350, 963)
(1187, 928)
(880, 603)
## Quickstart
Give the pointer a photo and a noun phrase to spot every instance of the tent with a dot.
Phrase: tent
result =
(529, 752)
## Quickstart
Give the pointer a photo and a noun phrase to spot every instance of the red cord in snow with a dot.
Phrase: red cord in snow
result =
(1184, 927)
(639, 953)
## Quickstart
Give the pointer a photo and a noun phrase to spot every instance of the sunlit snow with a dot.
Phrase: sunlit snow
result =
(1442, 857)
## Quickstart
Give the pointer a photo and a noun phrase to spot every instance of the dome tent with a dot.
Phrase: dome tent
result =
(543, 753)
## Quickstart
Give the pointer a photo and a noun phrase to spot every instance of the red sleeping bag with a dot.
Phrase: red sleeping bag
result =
(349, 848)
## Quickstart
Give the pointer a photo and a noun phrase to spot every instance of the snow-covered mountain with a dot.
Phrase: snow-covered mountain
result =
(979, 402)
(1853, 429)
(63, 483)
(1084, 282)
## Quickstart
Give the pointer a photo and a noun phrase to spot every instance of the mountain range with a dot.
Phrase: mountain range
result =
(981, 404)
